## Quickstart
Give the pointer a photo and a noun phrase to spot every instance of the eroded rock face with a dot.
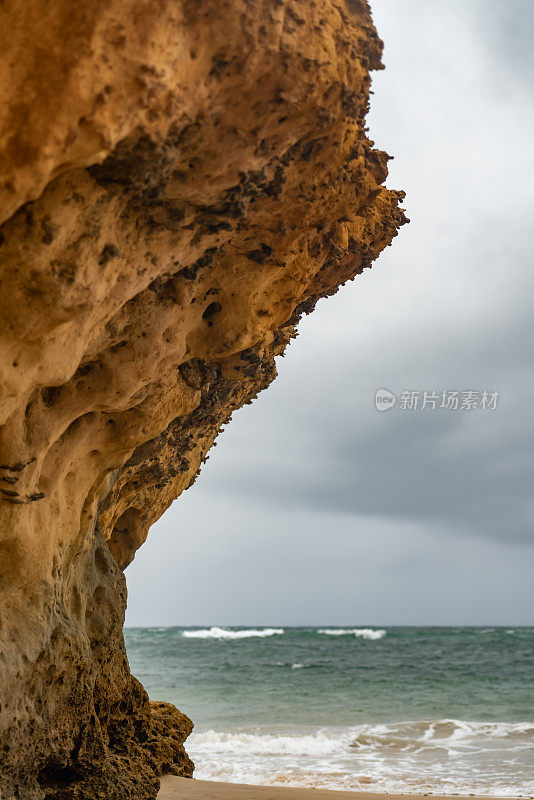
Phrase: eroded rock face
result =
(179, 182)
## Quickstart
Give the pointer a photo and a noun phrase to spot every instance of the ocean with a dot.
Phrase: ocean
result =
(394, 709)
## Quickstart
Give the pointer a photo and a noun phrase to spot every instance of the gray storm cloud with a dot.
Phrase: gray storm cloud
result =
(311, 493)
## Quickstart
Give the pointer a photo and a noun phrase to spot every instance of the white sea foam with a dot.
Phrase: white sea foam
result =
(361, 633)
(439, 756)
(297, 666)
(225, 633)
(272, 744)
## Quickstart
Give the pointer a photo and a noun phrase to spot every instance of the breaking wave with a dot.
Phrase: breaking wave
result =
(445, 757)
(226, 633)
(361, 633)
(216, 632)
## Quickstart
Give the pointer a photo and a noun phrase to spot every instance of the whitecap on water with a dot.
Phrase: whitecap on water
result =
(360, 633)
(226, 633)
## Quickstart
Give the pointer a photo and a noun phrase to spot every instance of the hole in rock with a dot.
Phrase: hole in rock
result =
(210, 311)
(52, 774)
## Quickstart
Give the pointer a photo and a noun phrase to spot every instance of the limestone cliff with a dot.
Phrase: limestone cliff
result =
(180, 180)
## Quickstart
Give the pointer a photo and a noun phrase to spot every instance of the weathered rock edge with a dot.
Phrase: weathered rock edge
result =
(179, 182)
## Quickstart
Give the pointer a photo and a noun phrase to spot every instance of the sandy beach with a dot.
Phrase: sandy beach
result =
(173, 788)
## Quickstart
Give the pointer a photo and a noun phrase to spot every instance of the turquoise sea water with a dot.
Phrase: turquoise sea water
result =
(447, 710)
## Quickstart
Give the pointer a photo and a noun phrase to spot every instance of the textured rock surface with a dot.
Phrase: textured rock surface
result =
(179, 182)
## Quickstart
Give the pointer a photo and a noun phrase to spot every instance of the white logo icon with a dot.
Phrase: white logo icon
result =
(384, 400)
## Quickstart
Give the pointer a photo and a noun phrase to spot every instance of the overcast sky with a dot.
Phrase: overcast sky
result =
(317, 509)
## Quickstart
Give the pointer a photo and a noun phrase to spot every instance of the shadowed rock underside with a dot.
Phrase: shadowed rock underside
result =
(179, 182)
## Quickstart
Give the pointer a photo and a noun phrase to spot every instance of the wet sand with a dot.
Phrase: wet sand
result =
(173, 788)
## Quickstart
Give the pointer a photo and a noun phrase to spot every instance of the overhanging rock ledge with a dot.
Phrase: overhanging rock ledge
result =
(179, 182)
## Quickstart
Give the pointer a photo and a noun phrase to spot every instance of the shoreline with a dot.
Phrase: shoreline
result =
(175, 788)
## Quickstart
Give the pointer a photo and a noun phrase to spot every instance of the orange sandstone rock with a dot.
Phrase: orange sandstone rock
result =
(179, 182)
